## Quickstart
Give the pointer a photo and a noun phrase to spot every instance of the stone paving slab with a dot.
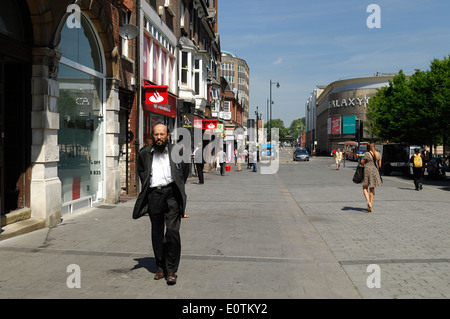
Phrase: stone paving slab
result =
(300, 233)
(407, 235)
(246, 238)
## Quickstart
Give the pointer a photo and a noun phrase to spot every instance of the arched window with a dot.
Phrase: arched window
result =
(80, 106)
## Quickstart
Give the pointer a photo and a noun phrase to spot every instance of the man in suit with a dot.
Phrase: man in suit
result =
(163, 197)
(426, 154)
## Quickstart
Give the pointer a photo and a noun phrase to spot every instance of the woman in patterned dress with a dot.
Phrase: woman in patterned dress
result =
(372, 176)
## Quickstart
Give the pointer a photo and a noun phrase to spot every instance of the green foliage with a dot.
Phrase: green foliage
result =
(295, 129)
(414, 110)
(277, 123)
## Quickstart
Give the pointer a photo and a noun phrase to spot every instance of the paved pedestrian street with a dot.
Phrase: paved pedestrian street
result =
(302, 232)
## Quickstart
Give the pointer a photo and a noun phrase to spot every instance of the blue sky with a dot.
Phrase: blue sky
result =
(302, 44)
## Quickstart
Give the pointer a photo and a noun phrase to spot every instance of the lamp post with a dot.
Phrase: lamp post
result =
(257, 129)
(270, 123)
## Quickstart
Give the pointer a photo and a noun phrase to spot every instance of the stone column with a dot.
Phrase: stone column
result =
(45, 184)
(112, 141)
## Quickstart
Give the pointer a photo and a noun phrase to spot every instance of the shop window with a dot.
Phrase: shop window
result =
(80, 45)
(80, 107)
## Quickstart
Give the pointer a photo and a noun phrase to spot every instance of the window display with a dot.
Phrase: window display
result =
(80, 107)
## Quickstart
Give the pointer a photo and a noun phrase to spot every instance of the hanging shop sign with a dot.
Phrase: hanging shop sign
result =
(158, 100)
(210, 124)
(156, 94)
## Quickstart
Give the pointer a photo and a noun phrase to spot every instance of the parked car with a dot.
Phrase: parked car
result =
(300, 154)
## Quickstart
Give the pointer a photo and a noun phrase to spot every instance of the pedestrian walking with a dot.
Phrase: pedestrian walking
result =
(222, 159)
(427, 155)
(254, 159)
(199, 163)
(338, 158)
(240, 159)
(417, 160)
(249, 162)
(163, 198)
(372, 178)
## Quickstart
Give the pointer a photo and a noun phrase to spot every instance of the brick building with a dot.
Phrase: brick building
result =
(74, 75)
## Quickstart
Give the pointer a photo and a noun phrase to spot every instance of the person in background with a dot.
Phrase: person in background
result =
(426, 154)
(199, 163)
(418, 161)
(338, 158)
(254, 158)
(222, 159)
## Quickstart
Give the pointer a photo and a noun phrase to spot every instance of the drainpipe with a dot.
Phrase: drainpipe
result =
(139, 93)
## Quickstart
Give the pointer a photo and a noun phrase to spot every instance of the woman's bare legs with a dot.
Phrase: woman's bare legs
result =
(367, 196)
(372, 196)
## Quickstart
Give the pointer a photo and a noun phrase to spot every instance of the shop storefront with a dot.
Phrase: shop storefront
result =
(81, 134)
(160, 107)
(158, 64)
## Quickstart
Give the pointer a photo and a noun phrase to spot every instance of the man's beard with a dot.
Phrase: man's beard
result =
(162, 147)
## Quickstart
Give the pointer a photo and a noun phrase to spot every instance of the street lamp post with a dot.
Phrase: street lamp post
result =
(270, 123)
(257, 129)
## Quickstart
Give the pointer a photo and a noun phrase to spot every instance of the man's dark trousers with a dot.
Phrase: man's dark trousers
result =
(418, 177)
(164, 211)
(200, 172)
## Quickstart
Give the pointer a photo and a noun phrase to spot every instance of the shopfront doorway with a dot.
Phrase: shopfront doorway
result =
(15, 144)
(15, 108)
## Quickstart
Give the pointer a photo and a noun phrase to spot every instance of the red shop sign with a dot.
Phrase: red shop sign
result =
(210, 124)
(156, 94)
(158, 100)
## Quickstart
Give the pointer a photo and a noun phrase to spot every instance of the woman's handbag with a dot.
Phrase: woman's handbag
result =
(359, 174)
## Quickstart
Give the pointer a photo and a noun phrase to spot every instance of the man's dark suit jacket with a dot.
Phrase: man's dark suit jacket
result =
(144, 167)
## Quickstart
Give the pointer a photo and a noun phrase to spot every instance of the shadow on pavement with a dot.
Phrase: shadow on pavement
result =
(147, 263)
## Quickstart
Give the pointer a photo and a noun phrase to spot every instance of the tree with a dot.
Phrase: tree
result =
(297, 127)
(414, 110)
(439, 78)
(277, 123)
(390, 111)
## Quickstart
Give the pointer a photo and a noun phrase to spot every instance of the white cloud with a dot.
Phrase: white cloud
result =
(279, 61)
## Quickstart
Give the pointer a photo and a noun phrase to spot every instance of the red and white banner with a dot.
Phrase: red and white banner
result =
(335, 125)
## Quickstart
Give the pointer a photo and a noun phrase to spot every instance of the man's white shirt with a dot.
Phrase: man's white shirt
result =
(161, 172)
